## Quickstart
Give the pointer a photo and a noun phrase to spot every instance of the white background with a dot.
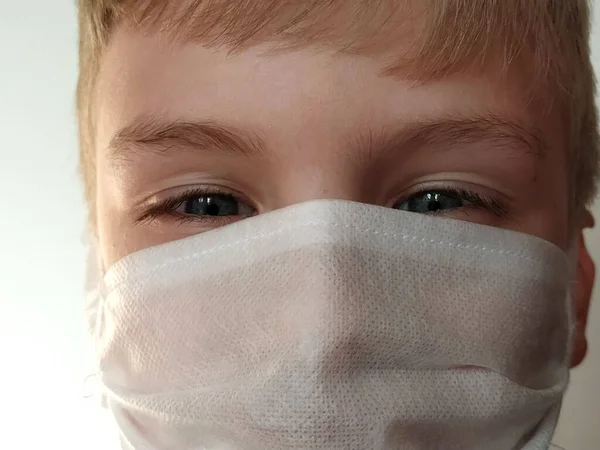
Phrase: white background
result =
(42, 340)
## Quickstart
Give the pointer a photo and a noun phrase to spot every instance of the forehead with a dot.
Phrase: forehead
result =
(341, 47)
(437, 36)
(147, 75)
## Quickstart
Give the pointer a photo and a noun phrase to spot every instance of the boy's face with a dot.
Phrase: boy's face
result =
(190, 139)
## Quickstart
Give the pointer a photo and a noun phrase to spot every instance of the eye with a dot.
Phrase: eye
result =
(433, 202)
(447, 201)
(200, 205)
(213, 205)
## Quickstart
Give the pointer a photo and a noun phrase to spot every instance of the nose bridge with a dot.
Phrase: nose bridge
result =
(320, 180)
(320, 158)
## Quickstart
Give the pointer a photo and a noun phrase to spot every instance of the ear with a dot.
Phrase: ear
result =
(586, 274)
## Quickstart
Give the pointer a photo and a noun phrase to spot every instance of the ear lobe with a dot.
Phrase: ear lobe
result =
(586, 274)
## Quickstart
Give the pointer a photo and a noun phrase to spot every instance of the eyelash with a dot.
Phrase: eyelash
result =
(476, 200)
(168, 206)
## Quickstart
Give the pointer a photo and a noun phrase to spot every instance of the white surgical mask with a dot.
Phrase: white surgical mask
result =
(335, 325)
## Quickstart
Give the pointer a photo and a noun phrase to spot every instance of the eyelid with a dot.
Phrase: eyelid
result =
(197, 189)
(454, 178)
(165, 205)
(478, 196)
(449, 186)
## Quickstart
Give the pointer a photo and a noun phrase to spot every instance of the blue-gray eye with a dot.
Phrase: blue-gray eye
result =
(431, 202)
(217, 205)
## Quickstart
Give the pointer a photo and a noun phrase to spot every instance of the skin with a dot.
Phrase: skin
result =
(586, 276)
(328, 126)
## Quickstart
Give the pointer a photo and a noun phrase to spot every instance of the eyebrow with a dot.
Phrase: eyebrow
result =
(496, 132)
(164, 137)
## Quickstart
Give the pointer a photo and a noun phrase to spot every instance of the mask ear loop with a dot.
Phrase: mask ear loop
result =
(573, 257)
(94, 304)
(89, 388)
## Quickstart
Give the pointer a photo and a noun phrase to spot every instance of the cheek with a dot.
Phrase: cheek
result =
(548, 211)
(119, 235)
(551, 214)
(116, 234)
(560, 185)
(550, 207)
(111, 234)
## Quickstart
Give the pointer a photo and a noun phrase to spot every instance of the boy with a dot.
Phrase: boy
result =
(419, 172)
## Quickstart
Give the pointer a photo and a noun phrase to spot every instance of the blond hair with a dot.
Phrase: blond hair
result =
(451, 35)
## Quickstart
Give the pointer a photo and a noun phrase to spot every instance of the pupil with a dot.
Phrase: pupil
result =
(212, 205)
(434, 205)
(212, 209)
